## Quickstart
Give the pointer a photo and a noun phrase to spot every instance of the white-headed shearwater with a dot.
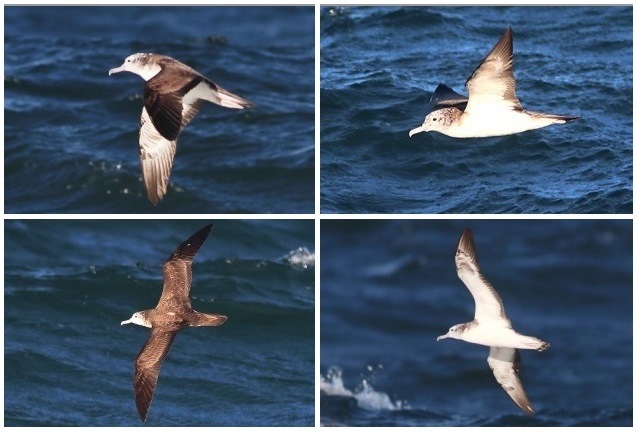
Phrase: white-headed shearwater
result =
(172, 313)
(492, 108)
(173, 94)
(491, 327)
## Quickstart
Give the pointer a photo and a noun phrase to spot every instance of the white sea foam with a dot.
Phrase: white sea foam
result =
(365, 395)
(301, 257)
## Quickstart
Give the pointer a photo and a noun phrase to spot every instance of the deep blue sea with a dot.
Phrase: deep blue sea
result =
(389, 288)
(71, 131)
(380, 65)
(69, 284)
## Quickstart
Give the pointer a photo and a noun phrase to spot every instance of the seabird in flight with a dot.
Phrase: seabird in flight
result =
(491, 327)
(492, 108)
(172, 314)
(173, 94)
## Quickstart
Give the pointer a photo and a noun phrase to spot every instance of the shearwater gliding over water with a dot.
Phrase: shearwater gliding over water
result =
(172, 314)
(492, 108)
(173, 94)
(491, 327)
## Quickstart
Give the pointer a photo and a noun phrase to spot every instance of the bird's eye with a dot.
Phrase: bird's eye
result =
(435, 119)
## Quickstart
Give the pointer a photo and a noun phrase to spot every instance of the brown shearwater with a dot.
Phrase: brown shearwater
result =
(172, 314)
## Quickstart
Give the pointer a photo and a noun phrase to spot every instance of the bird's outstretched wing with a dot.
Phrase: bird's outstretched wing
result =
(178, 269)
(147, 367)
(488, 303)
(492, 83)
(505, 364)
(156, 154)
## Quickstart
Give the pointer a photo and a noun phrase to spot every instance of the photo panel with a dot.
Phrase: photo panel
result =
(394, 291)
(79, 294)
(218, 120)
(550, 128)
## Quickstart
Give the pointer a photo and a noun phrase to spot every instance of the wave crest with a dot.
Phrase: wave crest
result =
(365, 395)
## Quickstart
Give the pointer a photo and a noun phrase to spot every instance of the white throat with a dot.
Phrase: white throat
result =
(145, 71)
(139, 319)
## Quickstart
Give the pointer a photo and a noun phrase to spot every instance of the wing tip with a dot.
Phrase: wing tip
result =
(505, 44)
(153, 198)
(142, 402)
(189, 248)
(143, 415)
(201, 235)
(143, 406)
(154, 191)
(466, 243)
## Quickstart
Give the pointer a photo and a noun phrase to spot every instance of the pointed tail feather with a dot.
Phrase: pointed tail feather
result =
(567, 118)
(558, 118)
(531, 342)
(207, 320)
(231, 100)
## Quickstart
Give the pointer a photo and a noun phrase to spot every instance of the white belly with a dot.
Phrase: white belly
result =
(496, 335)
(486, 123)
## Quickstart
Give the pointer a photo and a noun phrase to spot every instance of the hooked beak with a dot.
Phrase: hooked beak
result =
(444, 336)
(416, 131)
(116, 70)
(126, 322)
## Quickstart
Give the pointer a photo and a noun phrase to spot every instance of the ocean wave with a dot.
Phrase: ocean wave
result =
(365, 395)
(300, 257)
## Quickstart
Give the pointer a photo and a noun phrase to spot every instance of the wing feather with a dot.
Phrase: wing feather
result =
(488, 303)
(505, 364)
(178, 269)
(492, 84)
(147, 367)
(156, 154)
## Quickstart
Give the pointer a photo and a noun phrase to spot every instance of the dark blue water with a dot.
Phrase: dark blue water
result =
(69, 284)
(379, 67)
(71, 131)
(389, 288)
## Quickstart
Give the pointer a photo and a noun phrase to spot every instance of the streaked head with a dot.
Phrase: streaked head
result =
(439, 120)
(142, 64)
(138, 318)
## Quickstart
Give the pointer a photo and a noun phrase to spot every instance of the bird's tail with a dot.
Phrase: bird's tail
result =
(551, 118)
(199, 319)
(565, 118)
(530, 342)
(217, 94)
(231, 100)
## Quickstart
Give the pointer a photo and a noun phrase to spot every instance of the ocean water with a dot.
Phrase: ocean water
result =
(69, 284)
(71, 131)
(380, 65)
(390, 288)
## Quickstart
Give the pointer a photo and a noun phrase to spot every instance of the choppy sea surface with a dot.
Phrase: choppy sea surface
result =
(380, 65)
(71, 131)
(69, 284)
(390, 288)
